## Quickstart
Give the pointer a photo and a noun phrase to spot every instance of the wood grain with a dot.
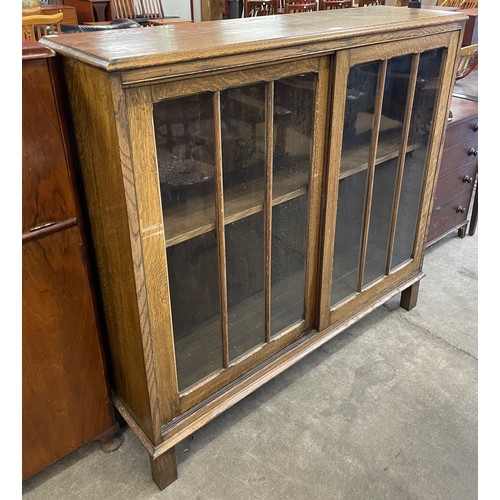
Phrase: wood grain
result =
(121, 50)
(47, 194)
(268, 206)
(340, 73)
(106, 208)
(65, 398)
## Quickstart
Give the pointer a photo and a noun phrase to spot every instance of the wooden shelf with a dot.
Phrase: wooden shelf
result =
(355, 160)
(240, 201)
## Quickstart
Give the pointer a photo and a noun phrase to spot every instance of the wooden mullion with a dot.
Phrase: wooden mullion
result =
(377, 114)
(268, 205)
(221, 243)
(402, 158)
(338, 76)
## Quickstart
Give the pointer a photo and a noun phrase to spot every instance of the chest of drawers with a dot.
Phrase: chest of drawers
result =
(457, 173)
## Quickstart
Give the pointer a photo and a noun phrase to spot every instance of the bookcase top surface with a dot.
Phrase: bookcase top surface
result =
(126, 49)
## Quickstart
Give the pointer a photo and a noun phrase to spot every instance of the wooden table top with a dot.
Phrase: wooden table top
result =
(120, 50)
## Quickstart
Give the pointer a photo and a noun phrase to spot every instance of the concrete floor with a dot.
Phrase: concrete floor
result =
(387, 410)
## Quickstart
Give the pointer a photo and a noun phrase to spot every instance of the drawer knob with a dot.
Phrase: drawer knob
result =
(475, 128)
(460, 210)
(472, 152)
(467, 179)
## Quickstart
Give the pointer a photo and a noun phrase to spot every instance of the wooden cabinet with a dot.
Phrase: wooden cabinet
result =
(66, 401)
(91, 11)
(457, 173)
(253, 189)
(70, 15)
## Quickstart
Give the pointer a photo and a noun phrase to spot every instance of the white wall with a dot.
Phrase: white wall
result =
(182, 8)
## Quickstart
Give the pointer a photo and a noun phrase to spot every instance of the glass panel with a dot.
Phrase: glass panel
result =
(358, 121)
(358, 124)
(294, 100)
(393, 107)
(384, 183)
(193, 276)
(243, 158)
(245, 284)
(288, 263)
(184, 132)
(426, 90)
(350, 217)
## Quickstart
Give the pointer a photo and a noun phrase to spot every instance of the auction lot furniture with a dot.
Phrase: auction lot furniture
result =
(66, 400)
(253, 188)
(457, 173)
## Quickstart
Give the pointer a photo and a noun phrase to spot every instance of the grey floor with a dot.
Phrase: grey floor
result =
(386, 410)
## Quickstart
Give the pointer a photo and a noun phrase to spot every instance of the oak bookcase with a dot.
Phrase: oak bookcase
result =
(254, 186)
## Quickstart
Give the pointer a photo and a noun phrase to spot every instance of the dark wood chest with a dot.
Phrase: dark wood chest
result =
(66, 400)
(457, 172)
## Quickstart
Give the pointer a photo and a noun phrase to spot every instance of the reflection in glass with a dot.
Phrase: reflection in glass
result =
(350, 217)
(384, 182)
(184, 133)
(294, 100)
(288, 263)
(358, 126)
(358, 120)
(426, 90)
(193, 276)
(243, 158)
(245, 283)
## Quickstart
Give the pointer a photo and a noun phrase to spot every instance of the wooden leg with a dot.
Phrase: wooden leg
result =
(164, 469)
(409, 296)
(111, 439)
(473, 217)
(462, 231)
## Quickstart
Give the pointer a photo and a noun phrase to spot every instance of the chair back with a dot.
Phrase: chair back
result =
(123, 9)
(31, 11)
(369, 3)
(254, 8)
(469, 4)
(151, 9)
(34, 27)
(451, 3)
(294, 7)
(468, 61)
(334, 4)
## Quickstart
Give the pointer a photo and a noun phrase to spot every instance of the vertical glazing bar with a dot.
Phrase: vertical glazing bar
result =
(377, 114)
(402, 157)
(268, 207)
(221, 244)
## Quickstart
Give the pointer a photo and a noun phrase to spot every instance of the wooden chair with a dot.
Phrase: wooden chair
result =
(370, 3)
(468, 61)
(461, 4)
(255, 8)
(295, 7)
(334, 4)
(141, 11)
(34, 27)
(31, 11)
(469, 4)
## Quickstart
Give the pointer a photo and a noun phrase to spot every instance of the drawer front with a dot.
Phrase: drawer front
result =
(461, 132)
(47, 194)
(452, 185)
(446, 217)
(459, 156)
